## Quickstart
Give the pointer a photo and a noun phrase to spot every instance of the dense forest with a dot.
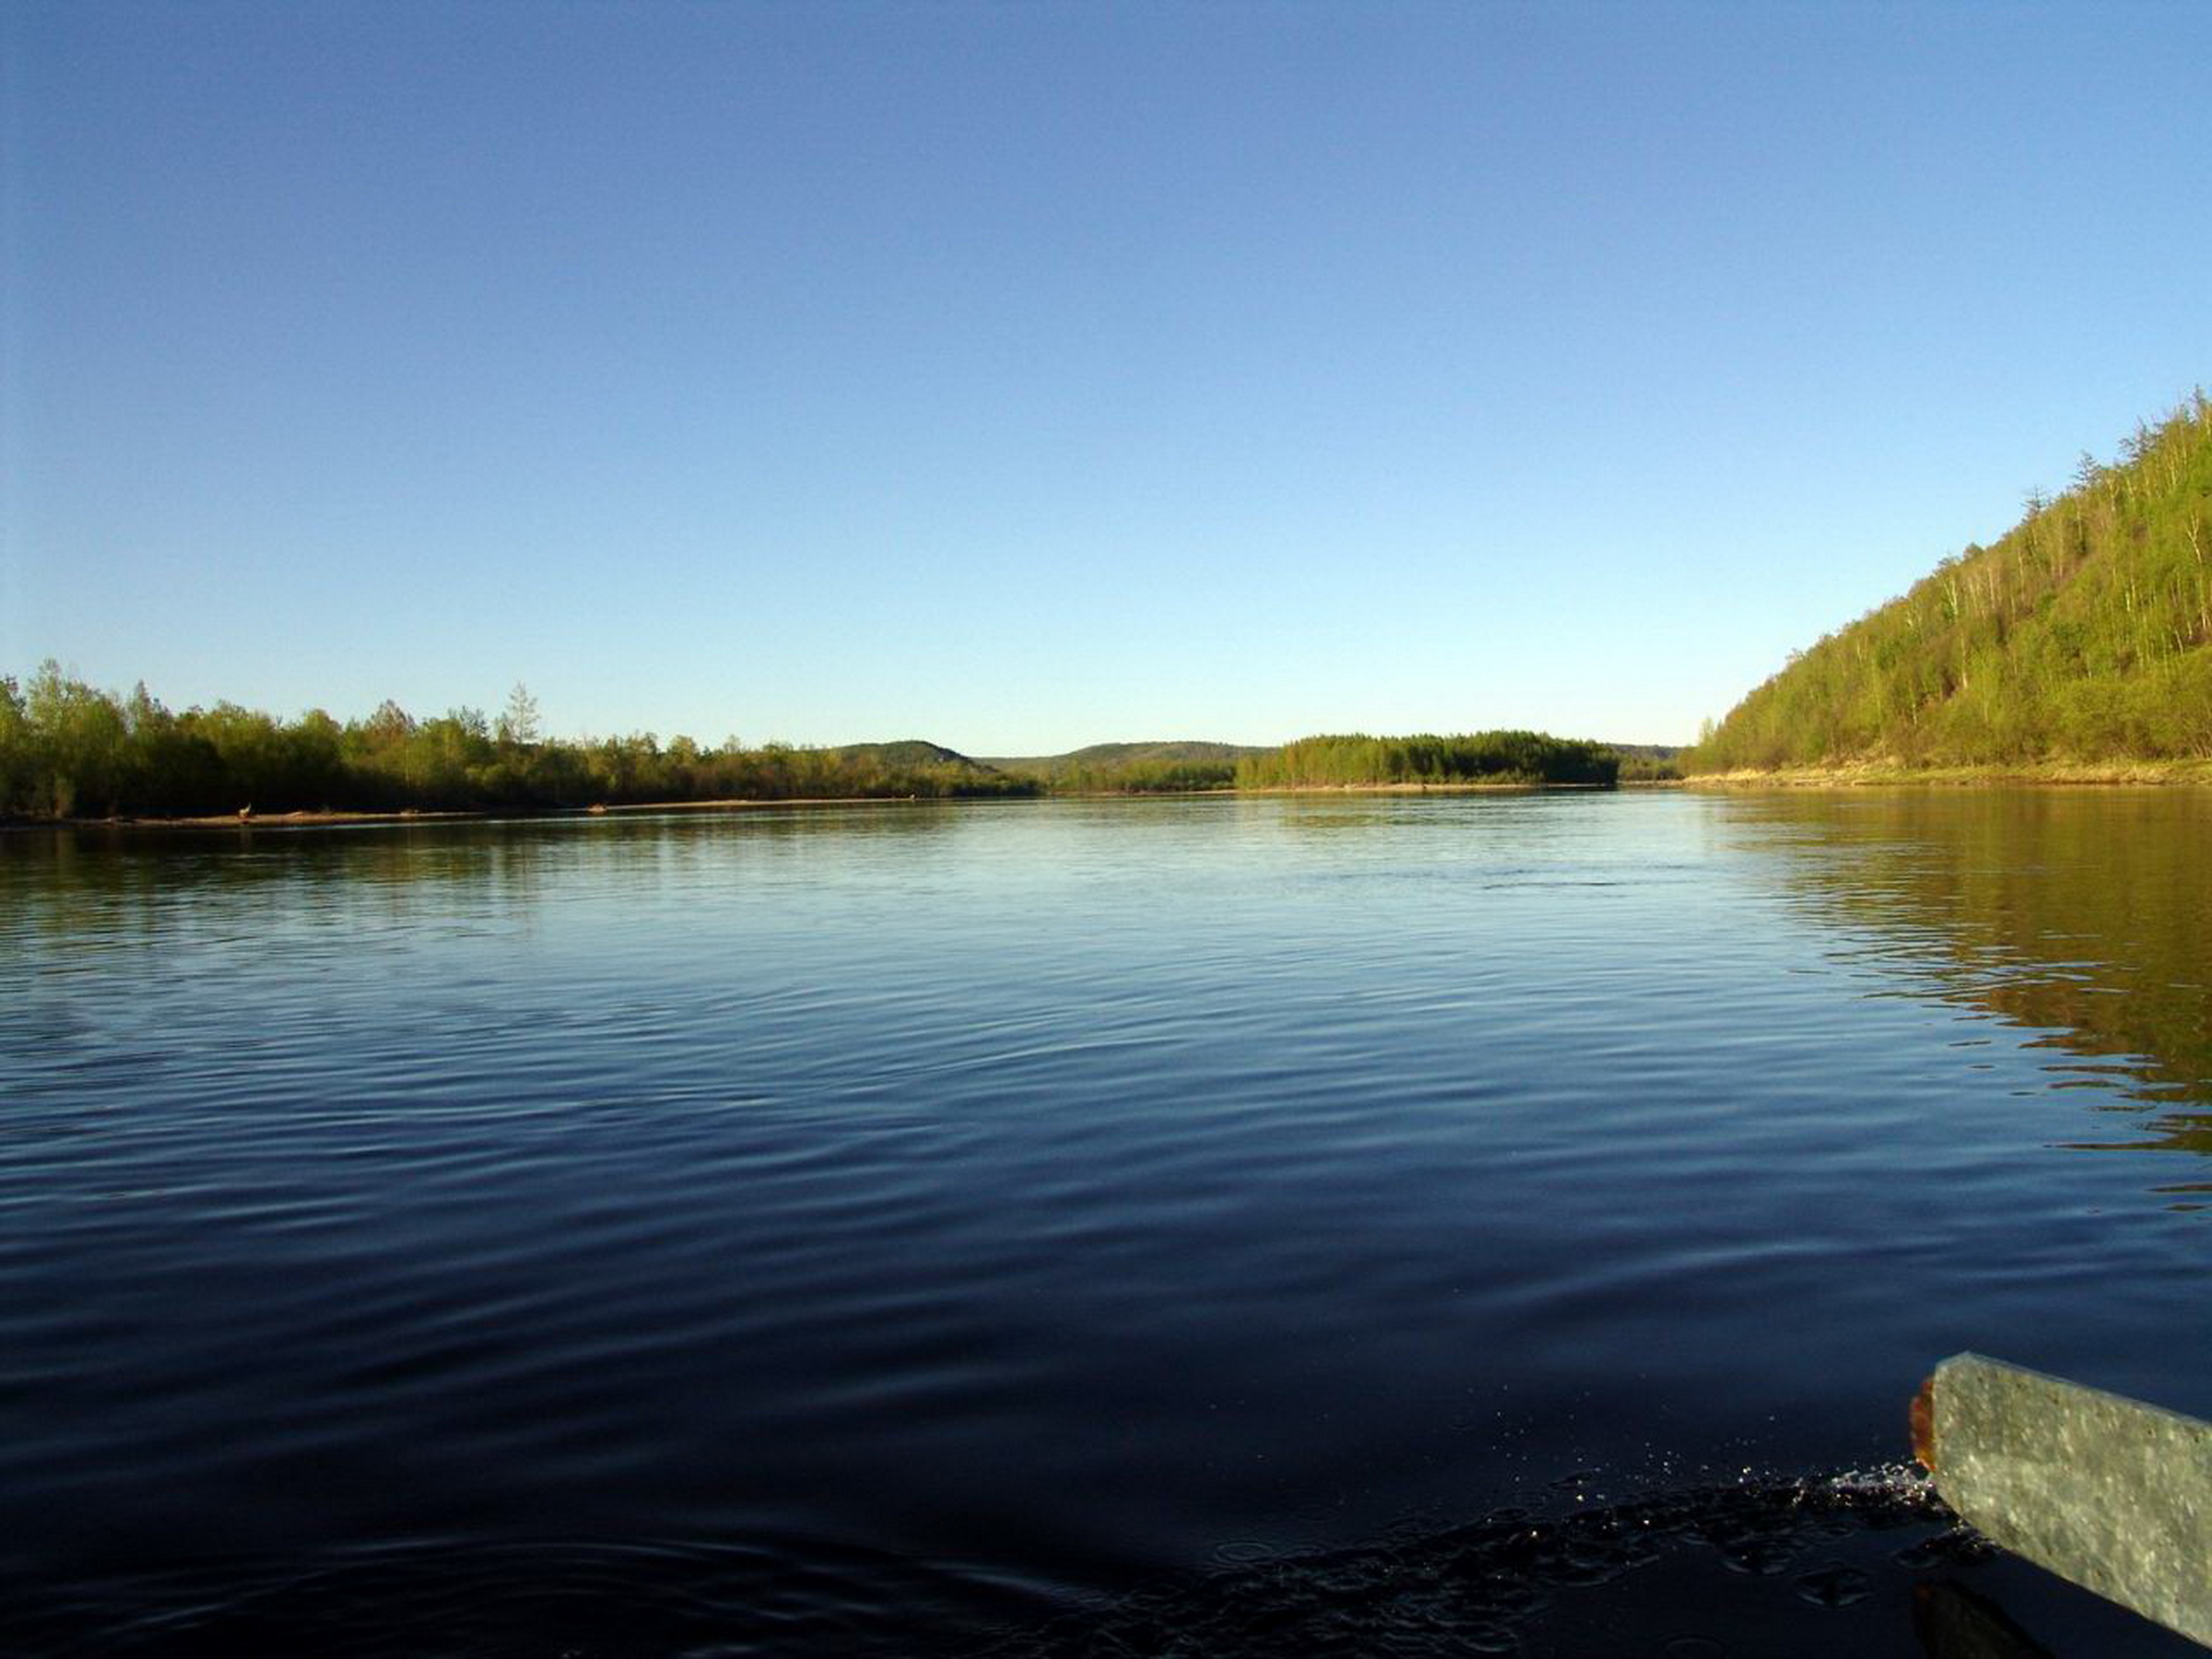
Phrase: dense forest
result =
(1472, 758)
(2080, 635)
(69, 750)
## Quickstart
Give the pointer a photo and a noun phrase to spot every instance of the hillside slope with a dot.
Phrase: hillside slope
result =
(2080, 635)
(1107, 758)
(909, 752)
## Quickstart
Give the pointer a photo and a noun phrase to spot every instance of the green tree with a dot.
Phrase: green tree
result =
(518, 721)
(19, 761)
(79, 736)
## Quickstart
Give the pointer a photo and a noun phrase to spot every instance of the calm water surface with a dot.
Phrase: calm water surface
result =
(1353, 1225)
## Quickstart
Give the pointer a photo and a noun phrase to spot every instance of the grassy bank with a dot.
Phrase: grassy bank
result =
(1859, 774)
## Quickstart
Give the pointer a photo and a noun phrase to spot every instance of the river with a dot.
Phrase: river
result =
(1356, 1224)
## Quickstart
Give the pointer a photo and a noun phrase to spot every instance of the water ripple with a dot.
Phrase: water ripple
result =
(998, 1209)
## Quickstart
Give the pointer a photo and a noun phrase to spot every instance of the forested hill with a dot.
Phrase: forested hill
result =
(1132, 768)
(2081, 635)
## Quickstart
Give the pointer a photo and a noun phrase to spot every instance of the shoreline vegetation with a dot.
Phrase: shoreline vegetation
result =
(73, 753)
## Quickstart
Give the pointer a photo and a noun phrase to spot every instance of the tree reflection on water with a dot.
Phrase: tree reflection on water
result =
(2082, 915)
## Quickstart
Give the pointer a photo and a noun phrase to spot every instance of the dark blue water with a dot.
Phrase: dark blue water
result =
(1080, 1227)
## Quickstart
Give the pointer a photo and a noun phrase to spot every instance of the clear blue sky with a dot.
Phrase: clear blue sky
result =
(1025, 376)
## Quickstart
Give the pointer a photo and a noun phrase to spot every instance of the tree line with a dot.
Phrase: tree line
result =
(71, 750)
(1144, 775)
(2080, 634)
(1356, 760)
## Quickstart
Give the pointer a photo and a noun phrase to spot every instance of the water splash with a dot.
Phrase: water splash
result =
(1494, 1585)
(1509, 1583)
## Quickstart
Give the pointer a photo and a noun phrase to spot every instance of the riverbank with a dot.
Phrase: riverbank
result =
(1869, 773)
(334, 819)
(1497, 786)
(325, 820)
(231, 820)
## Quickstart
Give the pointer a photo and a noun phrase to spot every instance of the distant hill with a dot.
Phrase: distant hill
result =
(2080, 635)
(908, 753)
(1163, 767)
(1103, 756)
(1173, 766)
